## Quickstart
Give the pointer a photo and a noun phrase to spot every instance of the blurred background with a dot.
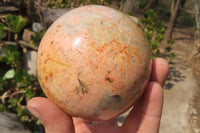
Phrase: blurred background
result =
(172, 28)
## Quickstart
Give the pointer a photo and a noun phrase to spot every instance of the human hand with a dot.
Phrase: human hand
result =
(144, 117)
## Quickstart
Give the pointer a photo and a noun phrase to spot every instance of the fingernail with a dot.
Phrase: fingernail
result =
(34, 112)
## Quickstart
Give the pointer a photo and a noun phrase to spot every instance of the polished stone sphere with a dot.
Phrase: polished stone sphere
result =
(94, 62)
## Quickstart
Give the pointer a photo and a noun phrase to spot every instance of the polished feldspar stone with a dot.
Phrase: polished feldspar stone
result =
(94, 62)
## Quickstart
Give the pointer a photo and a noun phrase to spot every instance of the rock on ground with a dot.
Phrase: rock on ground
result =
(29, 60)
(51, 15)
(9, 124)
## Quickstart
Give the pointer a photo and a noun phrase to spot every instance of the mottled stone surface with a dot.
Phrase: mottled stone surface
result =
(94, 62)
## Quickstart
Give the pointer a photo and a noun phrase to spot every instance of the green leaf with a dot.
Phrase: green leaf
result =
(1, 30)
(173, 55)
(24, 118)
(161, 30)
(3, 59)
(15, 23)
(168, 49)
(142, 3)
(159, 37)
(154, 45)
(12, 102)
(171, 41)
(1, 108)
(150, 28)
(130, 13)
(19, 111)
(149, 35)
(9, 74)
(38, 122)
(29, 94)
(12, 55)
(1, 86)
(35, 40)
(22, 78)
(154, 56)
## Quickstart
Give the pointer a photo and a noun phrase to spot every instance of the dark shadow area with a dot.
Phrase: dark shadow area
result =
(183, 38)
(181, 30)
(173, 76)
(121, 119)
(168, 85)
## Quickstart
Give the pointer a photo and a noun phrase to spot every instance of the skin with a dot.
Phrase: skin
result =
(145, 117)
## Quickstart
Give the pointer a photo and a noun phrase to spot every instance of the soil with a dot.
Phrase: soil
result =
(181, 109)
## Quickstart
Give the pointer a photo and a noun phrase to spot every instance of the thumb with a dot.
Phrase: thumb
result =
(52, 117)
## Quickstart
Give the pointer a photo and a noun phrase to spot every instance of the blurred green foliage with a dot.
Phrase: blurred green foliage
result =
(16, 85)
(130, 13)
(142, 3)
(59, 3)
(35, 39)
(15, 23)
(1, 30)
(75, 3)
(168, 49)
(162, 9)
(186, 19)
(12, 56)
(153, 29)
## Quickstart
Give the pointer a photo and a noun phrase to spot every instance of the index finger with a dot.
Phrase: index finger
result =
(160, 69)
